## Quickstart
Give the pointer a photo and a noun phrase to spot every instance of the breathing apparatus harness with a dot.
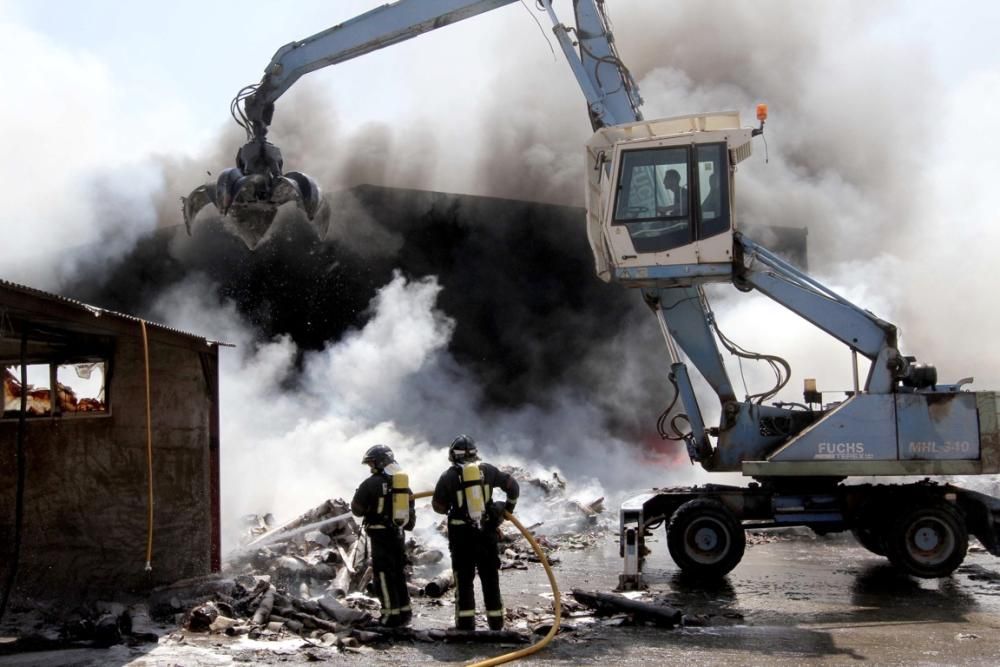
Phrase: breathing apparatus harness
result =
(473, 496)
(394, 503)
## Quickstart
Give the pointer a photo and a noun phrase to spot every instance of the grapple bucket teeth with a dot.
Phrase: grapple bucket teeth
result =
(200, 197)
(310, 196)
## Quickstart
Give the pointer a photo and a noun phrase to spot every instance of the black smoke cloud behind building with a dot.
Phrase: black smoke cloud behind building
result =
(516, 277)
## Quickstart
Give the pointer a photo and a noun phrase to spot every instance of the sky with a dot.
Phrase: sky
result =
(186, 60)
(880, 142)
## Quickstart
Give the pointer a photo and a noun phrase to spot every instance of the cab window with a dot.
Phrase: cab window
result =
(713, 194)
(653, 198)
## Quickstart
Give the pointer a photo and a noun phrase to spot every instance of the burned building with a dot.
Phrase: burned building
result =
(93, 401)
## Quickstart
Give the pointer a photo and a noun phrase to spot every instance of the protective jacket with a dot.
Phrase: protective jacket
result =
(373, 502)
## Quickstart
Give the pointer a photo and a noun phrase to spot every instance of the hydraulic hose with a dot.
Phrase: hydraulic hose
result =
(556, 601)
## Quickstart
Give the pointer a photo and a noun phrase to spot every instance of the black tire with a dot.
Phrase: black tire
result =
(929, 541)
(705, 539)
(872, 539)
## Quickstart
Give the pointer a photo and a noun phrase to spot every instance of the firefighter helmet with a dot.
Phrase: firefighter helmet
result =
(378, 457)
(462, 450)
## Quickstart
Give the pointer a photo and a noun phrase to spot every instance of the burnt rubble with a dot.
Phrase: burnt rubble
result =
(568, 523)
(95, 625)
(309, 578)
(320, 552)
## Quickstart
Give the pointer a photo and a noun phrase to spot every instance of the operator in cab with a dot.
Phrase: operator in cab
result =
(679, 194)
(385, 502)
(465, 493)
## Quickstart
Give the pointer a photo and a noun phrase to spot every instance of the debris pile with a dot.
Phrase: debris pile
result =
(310, 577)
(567, 524)
(254, 606)
(304, 578)
(584, 611)
(97, 625)
(258, 608)
(320, 552)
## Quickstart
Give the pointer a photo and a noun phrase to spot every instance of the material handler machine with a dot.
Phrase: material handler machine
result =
(661, 218)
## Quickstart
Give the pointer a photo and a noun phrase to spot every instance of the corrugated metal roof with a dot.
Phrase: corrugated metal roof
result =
(100, 312)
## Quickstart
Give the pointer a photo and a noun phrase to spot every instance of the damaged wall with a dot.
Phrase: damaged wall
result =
(85, 494)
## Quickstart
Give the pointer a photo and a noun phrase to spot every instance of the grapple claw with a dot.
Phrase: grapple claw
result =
(200, 197)
(310, 196)
(249, 194)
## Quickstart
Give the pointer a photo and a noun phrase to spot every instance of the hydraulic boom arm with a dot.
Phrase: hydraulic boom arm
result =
(253, 189)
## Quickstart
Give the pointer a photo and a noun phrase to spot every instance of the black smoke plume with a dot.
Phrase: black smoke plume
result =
(517, 279)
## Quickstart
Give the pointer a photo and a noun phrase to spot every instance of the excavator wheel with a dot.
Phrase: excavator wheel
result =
(705, 539)
(929, 541)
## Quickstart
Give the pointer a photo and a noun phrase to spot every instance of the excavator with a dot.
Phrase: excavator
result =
(661, 219)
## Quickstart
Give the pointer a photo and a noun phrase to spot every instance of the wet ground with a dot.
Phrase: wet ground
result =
(790, 602)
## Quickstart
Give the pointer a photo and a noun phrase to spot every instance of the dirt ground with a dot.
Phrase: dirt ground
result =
(807, 601)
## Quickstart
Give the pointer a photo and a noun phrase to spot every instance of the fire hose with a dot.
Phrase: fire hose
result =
(556, 602)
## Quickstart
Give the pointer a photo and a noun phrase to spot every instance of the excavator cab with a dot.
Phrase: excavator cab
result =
(660, 199)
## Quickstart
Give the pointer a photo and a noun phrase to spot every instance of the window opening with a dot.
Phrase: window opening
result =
(39, 390)
(80, 389)
(653, 198)
(713, 189)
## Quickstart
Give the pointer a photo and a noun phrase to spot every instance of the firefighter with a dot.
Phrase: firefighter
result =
(386, 503)
(464, 492)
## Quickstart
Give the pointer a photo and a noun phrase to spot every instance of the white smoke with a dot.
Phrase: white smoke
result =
(77, 171)
(286, 448)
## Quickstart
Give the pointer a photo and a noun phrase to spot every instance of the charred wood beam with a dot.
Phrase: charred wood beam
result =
(607, 603)
(439, 585)
(263, 613)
